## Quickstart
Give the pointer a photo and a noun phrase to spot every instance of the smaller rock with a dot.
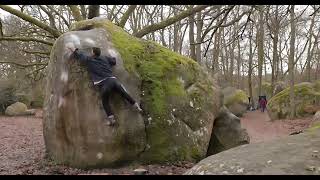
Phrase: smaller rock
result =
(140, 171)
(221, 165)
(315, 151)
(225, 172)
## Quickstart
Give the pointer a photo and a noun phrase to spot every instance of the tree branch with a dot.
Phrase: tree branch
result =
(23, 65)
(219, 24)
(126, 15)
(32, 20)
(60, 15)
(75, 12)
(169, 21)
(225, 25)
(26, 39)
(51, 17)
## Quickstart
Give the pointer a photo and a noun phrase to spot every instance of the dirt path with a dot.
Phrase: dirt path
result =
(22, 152)
(22, 145)
(260, 128)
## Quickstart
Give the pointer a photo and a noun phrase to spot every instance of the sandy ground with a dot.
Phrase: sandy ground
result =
(261, 129)
(22, 146)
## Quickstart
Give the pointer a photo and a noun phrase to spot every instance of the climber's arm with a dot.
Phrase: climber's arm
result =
(80, 56)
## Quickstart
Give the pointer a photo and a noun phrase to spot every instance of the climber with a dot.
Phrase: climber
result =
(100, 70)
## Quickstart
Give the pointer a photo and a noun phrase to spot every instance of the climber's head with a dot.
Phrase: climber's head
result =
(96, 51)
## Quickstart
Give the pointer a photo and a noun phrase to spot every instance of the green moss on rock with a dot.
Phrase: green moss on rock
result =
(238, 96)
(307, 98)
(235, 100)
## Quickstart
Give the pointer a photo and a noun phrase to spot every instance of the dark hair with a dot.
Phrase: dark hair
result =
(96, 51)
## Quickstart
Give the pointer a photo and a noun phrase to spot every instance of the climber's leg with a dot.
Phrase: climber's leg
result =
(106, 90)
(119, 88)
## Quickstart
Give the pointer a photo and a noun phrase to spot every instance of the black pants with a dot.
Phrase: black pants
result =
(112, 85)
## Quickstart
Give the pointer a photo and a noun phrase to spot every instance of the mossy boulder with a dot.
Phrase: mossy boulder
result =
(278, 87)
(179, 99)
(16, 109)
(235, 100)
(307, 101)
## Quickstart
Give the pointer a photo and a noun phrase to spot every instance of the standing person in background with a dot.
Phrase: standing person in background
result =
(263, 104)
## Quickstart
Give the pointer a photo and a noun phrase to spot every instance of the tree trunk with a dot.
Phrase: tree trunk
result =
(126, 15)
(291, 62)
(75, 12)
(275, 50)
(191, 38)
(198, 39)
(216, 50)
(238, 65)
(231, 51)
(176, 33)
(250, 66)
(260, 43)
(83, 11)
(94, 11)
(309, 55)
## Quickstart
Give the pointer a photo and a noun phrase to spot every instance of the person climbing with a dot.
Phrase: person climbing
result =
(263, 104)
(100, 70)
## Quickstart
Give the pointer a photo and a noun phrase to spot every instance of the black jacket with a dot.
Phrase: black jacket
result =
(99, 67)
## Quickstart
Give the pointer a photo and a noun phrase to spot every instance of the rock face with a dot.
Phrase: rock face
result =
(180, 102)
(17, 109)
(297, 154)
(227, 132)
(235, 100)
(279, 86)
(307, 101)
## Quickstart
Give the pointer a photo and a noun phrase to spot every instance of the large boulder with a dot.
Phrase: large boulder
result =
(235, 100)
(307, 101)
(227, 132)
(292, 155)
(179, 99)
(16, 109)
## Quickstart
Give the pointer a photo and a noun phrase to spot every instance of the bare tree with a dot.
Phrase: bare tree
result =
(260, 39)
(291, 61)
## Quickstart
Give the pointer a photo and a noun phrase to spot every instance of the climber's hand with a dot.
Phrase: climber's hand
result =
(72, 49)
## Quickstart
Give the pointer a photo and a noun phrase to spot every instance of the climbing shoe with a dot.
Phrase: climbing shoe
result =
(110, 121)
(137, 107)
